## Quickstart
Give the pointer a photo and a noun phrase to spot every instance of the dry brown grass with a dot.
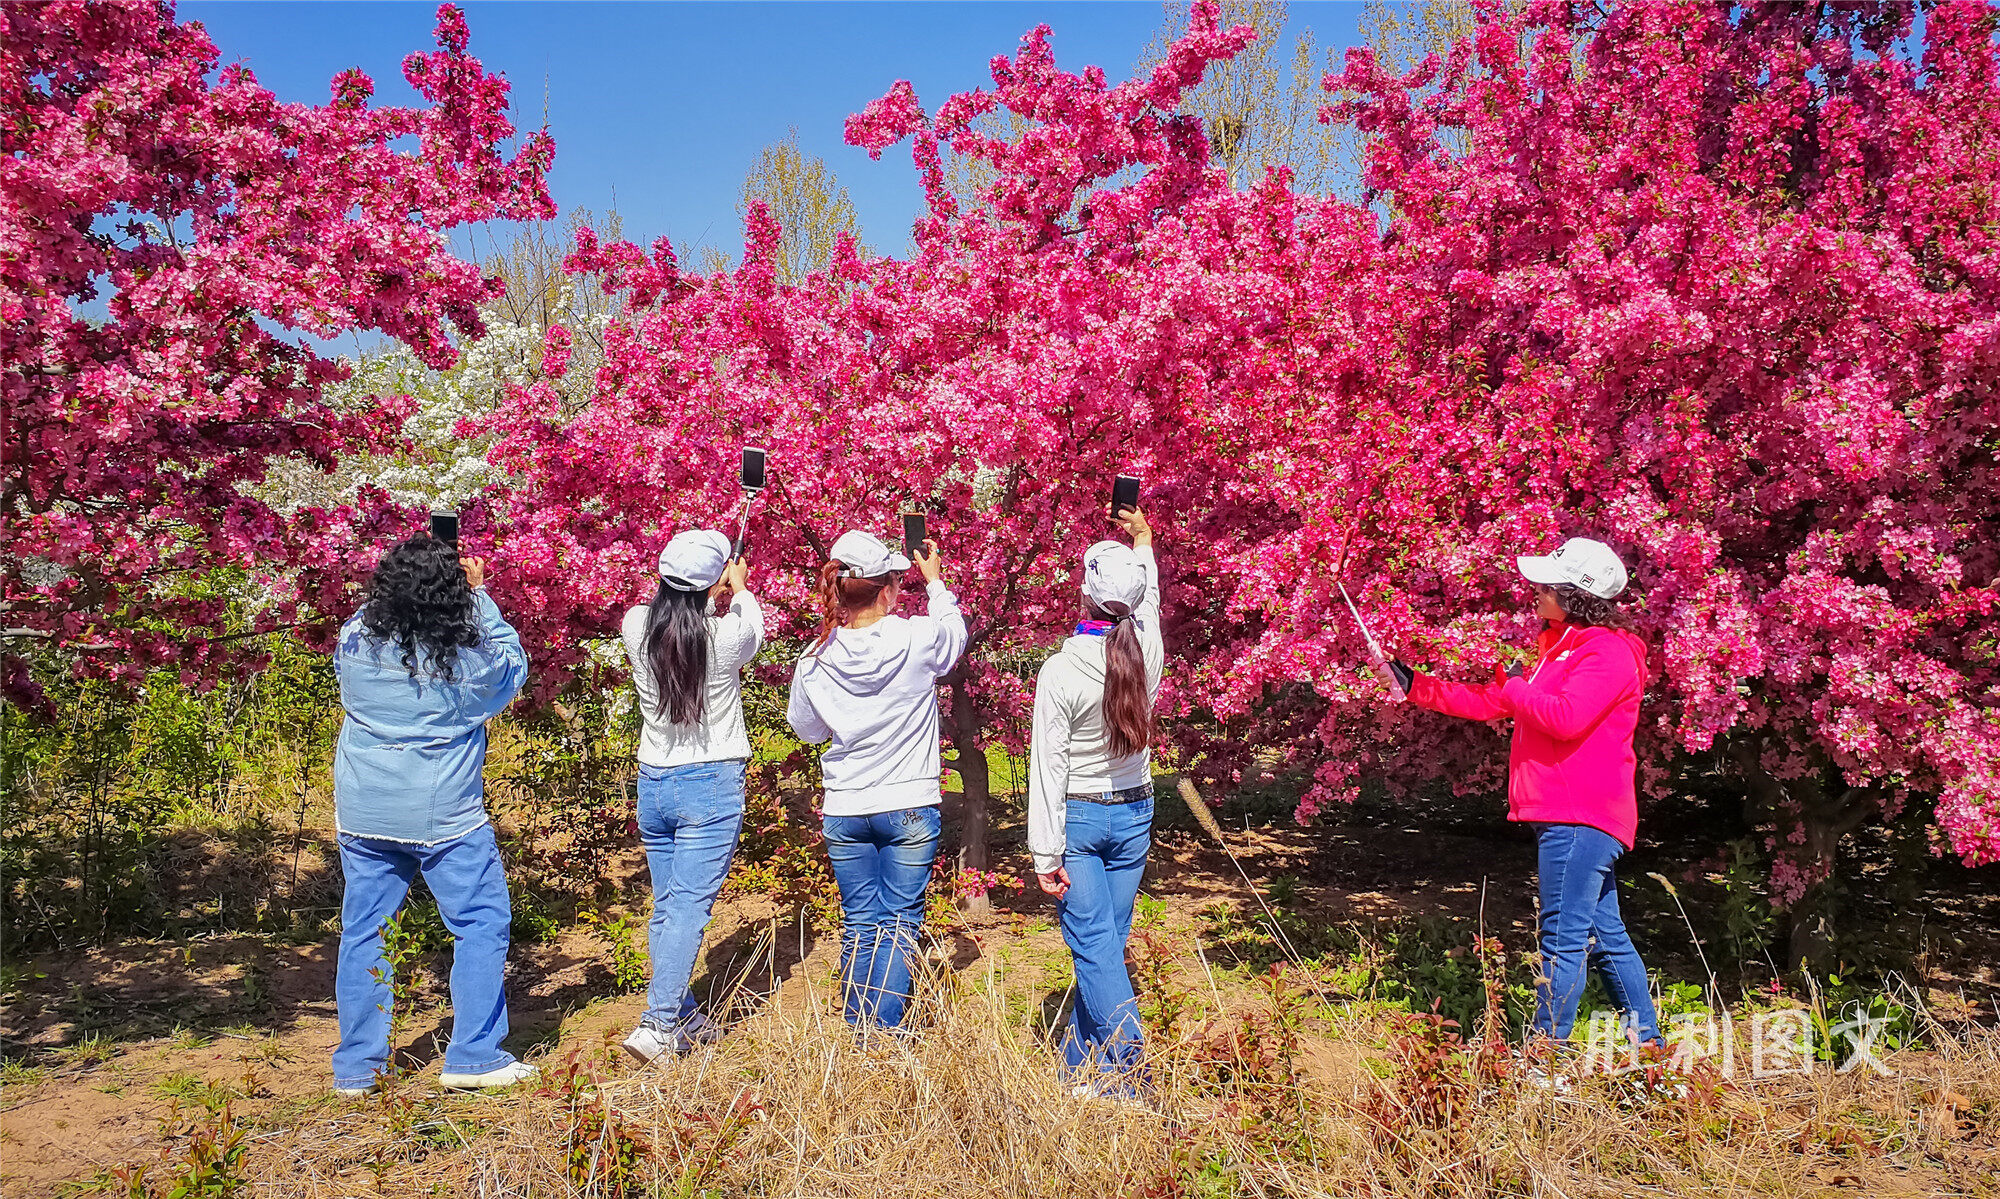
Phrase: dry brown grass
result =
(1272, 1093)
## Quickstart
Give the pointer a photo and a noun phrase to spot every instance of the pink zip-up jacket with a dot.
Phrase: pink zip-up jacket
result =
(1572, 760)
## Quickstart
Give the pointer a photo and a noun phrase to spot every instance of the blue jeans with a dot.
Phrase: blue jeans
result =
(1580, 905)
(881, 863)
(470, 885)
(1105, 859)
(689, 819)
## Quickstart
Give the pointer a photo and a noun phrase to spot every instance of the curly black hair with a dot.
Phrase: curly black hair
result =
(421, 600)
(1590, 611)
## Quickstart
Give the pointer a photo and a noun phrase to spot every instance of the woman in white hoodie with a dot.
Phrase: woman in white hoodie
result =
(869, 686)
(1090, 789)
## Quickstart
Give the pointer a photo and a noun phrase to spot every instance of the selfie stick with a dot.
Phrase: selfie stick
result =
(1375, 656)
(750, 495)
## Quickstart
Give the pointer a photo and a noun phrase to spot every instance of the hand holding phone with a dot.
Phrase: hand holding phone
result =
(929, 562)
(444, 527)
(1136, 526)
(913, 534)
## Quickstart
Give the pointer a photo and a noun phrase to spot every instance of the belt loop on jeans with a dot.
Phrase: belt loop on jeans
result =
(1129, 795)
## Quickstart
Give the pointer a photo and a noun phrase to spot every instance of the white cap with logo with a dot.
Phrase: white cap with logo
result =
(1590, 565)
(1113, 577)
(866, 556)
(694, 560)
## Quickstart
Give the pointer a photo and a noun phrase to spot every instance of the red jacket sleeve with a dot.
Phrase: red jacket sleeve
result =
(1602, 675)
(1474, 702)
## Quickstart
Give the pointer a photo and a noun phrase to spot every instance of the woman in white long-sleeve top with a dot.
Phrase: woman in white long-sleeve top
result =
(1090, 790)
(687, 666)
(869, 686)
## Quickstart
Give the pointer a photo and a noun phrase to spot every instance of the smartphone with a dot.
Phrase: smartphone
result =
(913, 534)
(1124, 493)
(753, 468)
(444, 527)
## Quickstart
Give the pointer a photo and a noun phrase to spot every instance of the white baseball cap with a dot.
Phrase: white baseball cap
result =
(1591, 565)
(694, 560)
(866, 556)
(1113, 577)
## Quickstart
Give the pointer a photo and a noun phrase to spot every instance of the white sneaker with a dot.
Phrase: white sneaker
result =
(697, 1030)
(508, 1075)
(354, 1092)
(647, 1043)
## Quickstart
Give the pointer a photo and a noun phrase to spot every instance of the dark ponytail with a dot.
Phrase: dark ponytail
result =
(677, 645)
(1128, 705)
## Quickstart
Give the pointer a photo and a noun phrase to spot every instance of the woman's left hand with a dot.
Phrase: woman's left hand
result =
(1056, 884)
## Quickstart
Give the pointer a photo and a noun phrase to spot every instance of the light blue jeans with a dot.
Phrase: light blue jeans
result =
(470, 885)
(689, 819)
(1105, 859)
(1581, 925)
(881, 863)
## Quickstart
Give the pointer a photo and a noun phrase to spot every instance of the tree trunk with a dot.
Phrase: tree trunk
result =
(973, 803)
(1826, 816)
(1827, 819)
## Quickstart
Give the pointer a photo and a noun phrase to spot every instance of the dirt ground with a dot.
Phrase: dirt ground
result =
(102, 1046)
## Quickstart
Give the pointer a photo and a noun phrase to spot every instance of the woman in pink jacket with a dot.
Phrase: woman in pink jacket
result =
(1570, 774)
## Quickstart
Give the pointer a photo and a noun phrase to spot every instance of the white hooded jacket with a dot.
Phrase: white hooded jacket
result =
(872, 692)
(1070, 750)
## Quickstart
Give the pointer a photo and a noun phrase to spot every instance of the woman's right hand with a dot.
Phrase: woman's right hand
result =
(1134, 523)
(930, 562)
(736, 576)
(475, 571)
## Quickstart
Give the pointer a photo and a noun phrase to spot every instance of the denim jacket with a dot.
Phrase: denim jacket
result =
(412, 751)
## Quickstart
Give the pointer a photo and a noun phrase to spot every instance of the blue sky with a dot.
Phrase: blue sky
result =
(660, 109)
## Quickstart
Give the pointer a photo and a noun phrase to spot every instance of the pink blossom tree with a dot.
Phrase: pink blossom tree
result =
(1721, 287)
(969, 381)
(166, 240)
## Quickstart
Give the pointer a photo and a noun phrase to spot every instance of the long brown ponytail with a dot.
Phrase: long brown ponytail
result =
(840, 598)
(1128, 704)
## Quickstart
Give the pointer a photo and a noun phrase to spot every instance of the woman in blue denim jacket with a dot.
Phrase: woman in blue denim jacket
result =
(422, 667)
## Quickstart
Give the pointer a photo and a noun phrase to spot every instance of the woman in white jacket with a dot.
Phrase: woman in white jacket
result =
(687, 665)
(869, 686)
(1090, 789)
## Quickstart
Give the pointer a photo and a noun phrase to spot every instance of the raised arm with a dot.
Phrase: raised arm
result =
(741, 633)
(504, 669)
(1471, 701)
(1603, 674)
(947, 624)
(1146, 617)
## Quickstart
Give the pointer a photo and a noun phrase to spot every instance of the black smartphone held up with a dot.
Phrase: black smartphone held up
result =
(1124, 493)
(913, 535)
(753, 468)
(444, 527)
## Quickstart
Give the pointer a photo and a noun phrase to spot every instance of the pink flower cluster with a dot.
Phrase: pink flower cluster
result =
(160, 235)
